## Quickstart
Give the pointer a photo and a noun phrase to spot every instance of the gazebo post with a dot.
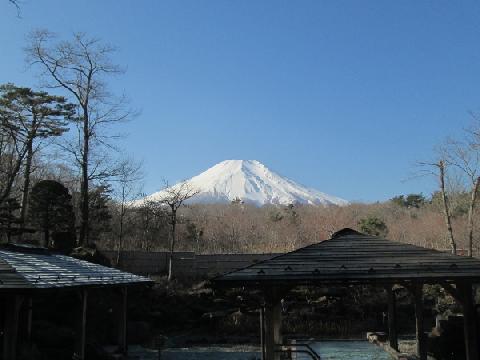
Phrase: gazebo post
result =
(81, 326)
(392, 318)
(122, 322)
(262, 331)
(273, 323)
(421, 343)
(29, 321)
(10, 337)
(469, 319)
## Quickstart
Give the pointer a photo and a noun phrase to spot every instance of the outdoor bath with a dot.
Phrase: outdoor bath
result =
(328, 350)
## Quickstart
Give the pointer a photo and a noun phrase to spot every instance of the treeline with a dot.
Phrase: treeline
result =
(242, 228)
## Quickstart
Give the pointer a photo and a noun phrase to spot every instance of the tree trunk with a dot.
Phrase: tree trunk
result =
(46, 228)
(7, 189)
(28, 166)
(471, 210)
(84, 225)
(46, 237)
(172, 243)
(26, 181)
(120, 235)
(448, 221)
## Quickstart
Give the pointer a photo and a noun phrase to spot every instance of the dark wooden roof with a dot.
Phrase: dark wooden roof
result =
(9, 278)
(28, 268)
(353, 257)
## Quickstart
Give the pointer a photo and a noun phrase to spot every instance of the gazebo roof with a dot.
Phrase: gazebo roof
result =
(34, 268)
(9, 278)
(352, 257)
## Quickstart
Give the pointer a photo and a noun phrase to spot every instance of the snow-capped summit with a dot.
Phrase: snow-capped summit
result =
(251, 182)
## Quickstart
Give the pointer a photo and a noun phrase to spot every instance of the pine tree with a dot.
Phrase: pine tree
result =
(35, 116)
(373, 226)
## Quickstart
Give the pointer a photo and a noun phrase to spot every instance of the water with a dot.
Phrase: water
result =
(328, 350)
(209, 354)
(352, 350)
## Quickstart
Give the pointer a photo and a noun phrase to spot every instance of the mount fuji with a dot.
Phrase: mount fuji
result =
(251, 182)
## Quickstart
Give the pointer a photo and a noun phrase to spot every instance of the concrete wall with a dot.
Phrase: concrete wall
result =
(185, 264)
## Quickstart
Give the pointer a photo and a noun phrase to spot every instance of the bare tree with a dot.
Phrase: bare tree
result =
(16, 3)
(126, 189)
(464, 155)
(79, 67)
(438, 169)
(174, 197)
(151, 217)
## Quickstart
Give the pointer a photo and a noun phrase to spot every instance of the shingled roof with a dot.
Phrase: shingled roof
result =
(352, 257)
(27, 268)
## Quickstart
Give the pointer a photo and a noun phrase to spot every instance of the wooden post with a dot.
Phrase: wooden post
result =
(10, 336)
(421, 340)
(392, 318)
(122, 323)
(81, 327)
(29, 322)
(273, 323)
(469, 320)
(262, 331)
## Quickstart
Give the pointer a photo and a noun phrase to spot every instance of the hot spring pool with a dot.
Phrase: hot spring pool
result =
(353, 350)
(328, 350)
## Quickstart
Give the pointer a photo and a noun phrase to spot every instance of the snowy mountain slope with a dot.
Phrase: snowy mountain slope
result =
(251, 182)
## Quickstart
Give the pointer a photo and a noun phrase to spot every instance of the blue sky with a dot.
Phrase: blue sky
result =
(343, 96)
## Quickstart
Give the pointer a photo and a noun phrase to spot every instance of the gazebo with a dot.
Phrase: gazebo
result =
(27, 273)
(350, 258)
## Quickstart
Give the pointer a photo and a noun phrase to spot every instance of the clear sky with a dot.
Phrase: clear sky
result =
(342, 96)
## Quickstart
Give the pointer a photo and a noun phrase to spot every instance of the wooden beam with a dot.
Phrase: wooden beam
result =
(392, 318)
(273, 324)
(469, 320)
(10, 336)
(420, 331)
(81, 326)
(122, 322)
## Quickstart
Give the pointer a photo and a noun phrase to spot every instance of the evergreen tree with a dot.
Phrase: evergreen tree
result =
(414, 200)
(373, 226)
(50, 209)
(34, 115)
(409, 201)
(398, 200)
(99, 198)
